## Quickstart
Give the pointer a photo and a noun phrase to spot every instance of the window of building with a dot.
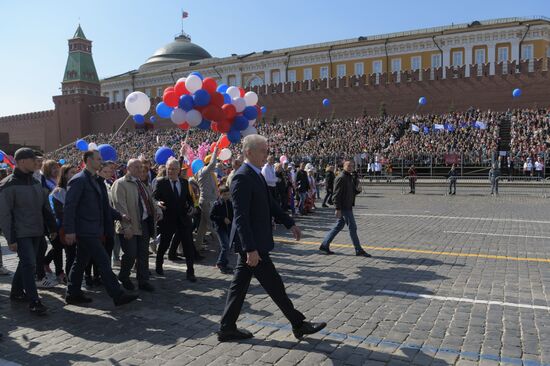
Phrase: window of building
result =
(502, 54)
(125, 93)
(527, 52)
(148, 92)
(416, 63)
(275, 77)
(359, 68)
(159, 91)
(377, 67)
(292, 75)
(116, 96)
(255, 81)
(395, 65)
(436, 60)
(480, 56)
(232, 80)
(458, 58)
(324, 72)
(307, 73)
(107, 94)
(341, 70)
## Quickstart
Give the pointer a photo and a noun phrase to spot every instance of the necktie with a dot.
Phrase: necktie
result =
(145, 198)
(175, 189)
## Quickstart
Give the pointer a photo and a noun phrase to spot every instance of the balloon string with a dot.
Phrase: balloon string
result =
(122, 125)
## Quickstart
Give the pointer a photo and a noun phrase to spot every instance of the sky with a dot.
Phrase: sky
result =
(34, 33)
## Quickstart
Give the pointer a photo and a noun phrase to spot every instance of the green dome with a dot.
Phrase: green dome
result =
(181, 50)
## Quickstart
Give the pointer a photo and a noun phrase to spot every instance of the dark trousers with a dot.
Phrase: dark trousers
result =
(135, 249)
(56, 255)
(23, 278)
(186, 235)
(224, 248)
(452, 186)
(412, 184)
(40, 255)
(91, 248)
(328, 198)
(272, 283)
(70, 255)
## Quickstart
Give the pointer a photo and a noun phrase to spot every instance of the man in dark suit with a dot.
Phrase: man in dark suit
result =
(88, 219)
(172, 192)
(254, 209)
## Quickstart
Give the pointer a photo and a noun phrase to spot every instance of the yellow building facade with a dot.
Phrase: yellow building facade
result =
(477, 43)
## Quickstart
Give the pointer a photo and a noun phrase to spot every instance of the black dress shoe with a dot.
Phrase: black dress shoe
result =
(19, 297)
(362, 253)
(191, 278)
(325, 250)
(159, 271)
(36, 307)
(307, 328)
(128, 285)
(175, 258)
(146, 287)
(233, 335)
(124, 299)
(77, 299)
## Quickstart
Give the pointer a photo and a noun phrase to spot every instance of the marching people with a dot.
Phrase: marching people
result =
(24, 213)
(345, 190)
(268, 171)
(302, 187)
(254, 209)
(87, 219)
(208, 183)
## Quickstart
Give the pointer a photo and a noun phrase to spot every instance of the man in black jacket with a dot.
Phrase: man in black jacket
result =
(172, 192)
(24, 209)
(302, 184)
(329, 182)
(254, 209)
(87, 220)
(452, 176)
(344, 199)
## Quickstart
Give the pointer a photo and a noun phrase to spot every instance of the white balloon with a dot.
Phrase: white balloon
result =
(239, 104)
(137, 103)
(251, 130)
(252, 122)
(251, 98)
(233, 92)
(181, 80)
(194, 117)
(224, 155)
(193, 83)
(92, 146)
(178, 116)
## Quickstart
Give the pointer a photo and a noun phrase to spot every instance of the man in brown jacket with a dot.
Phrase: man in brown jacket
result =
(132, 198)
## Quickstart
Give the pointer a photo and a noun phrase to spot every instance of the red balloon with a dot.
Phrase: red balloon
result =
(242, 91)
(169, 89)
(184, 126)
(224, 142)
(180, 89)
(229, 111)
(216, 99)
(210, 85)
(171, 99)
(213, 113)
(214, 126)
(224, 126)
(200, 109)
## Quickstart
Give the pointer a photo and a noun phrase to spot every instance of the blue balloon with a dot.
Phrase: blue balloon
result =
(201, 98)
(263, 109)
(62, 161)
(198, 74)
(153, 119)
(422, 101)
(82, 145)
(163, 154)
(222, 88)
(234, 136)
(250, 113)
(186, 102)
(227, 98)
(139, 119)
(240, 123)
(204, 125)
(197, 165)
(107, 152)
(163, 110)
(326, 102)
(516, 93)
(1, 156)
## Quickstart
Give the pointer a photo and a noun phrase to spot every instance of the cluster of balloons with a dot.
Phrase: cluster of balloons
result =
(200, 102)
(107, 152)
(516, 92)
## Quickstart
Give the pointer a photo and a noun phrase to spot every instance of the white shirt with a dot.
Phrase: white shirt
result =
(377, 167)
(268, 171)
(538, 165)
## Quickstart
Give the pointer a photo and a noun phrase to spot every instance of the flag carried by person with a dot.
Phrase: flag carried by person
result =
(415, 128)
(480, 125)
(438, 126)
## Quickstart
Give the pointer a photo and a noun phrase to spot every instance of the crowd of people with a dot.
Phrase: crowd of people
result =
(530, 140)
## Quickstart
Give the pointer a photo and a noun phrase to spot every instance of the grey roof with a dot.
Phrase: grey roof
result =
(180, 50)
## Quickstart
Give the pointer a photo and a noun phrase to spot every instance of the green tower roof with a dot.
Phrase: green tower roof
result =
(79, 33)
(80, 64)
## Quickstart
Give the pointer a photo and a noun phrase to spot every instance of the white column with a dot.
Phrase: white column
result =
(515, 51)
(239, 77)
(446, 62)
(283, 74)
(468, 59)
(267, 76)
(491, 58)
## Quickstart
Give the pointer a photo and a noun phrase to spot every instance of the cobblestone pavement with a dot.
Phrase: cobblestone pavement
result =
(456, 280)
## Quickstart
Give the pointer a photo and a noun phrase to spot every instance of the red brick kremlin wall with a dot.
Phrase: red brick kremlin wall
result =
(79, 115)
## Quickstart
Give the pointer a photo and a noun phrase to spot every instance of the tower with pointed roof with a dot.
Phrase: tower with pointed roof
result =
(80, 75)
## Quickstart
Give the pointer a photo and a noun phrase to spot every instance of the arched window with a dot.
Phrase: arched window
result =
(255, 81)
